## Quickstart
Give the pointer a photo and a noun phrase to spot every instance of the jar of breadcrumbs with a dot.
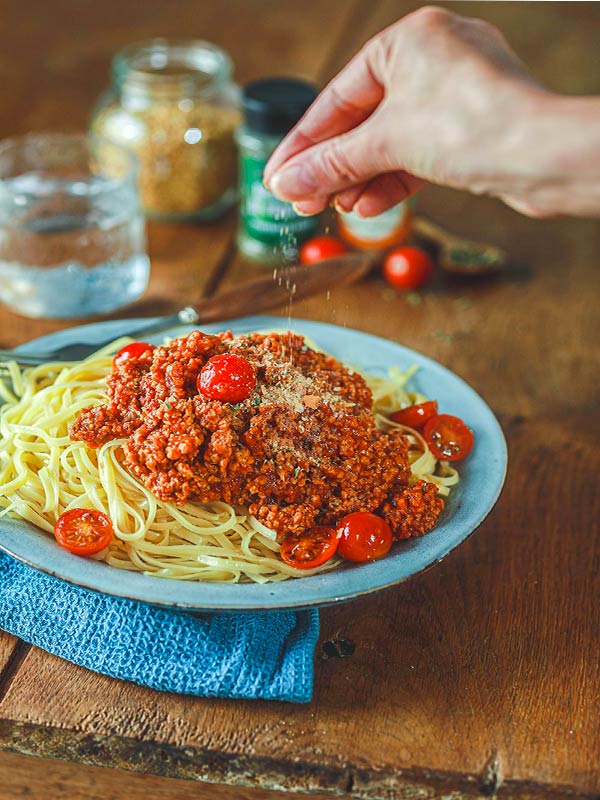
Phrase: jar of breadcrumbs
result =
(173, 103)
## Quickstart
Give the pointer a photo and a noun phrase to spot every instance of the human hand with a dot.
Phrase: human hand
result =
(434, 97)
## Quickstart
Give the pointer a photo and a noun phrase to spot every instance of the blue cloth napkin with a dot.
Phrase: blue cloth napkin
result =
(253, 655)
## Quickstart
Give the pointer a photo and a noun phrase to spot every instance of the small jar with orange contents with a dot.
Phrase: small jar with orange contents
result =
(376, 233)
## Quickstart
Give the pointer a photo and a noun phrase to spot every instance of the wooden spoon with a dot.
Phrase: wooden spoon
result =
(461, 256)
(283, 285)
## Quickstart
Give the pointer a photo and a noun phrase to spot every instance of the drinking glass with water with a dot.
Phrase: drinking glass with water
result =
(72, 234)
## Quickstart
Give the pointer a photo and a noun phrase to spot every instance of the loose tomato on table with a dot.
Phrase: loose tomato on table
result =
(408, 268)
(321, 248)
(415, 416)
(83, 531)
(310, 549)
(227, 377)
(133, 350)
(448, 437)
(363, 536)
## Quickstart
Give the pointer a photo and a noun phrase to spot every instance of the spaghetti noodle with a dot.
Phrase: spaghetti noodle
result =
(44, 472)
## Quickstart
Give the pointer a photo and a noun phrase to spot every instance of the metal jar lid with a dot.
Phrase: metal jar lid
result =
(273, 106)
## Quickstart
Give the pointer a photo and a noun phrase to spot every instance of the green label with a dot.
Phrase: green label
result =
(266, 218)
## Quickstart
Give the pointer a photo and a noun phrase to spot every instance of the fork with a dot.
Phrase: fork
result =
(282, 287)
(80, 350)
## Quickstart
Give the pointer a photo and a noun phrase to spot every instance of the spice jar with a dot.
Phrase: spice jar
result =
(173, 103)
(376, 233)
(270, 230)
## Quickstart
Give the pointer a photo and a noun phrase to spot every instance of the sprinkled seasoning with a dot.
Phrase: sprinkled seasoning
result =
(414, 299)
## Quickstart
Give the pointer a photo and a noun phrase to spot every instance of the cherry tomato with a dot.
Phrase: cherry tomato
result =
(363, 536)
(448, 437)
(83, 531)
(417, 415)
(320, 248)
(133, 350)
(228, 377)
(407, 267)
(309, 549)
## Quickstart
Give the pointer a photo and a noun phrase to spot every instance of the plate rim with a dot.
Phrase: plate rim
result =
(266, 604)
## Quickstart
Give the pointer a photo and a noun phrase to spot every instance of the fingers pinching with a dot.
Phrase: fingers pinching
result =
(345, 102)
(344, 201)
(306, 208)
(386, 191)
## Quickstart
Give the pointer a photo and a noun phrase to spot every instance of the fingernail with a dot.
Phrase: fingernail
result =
(292, 183)
(300, 212)
(339, 207)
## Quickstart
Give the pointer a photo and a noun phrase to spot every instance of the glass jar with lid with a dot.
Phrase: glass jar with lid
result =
(174, 104)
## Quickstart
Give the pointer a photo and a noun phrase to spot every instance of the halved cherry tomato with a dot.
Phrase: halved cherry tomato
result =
(417, 415)
(83, 531)
(133, 350)
(363, 536)
(228, 377)
(310, 549)
(320, 248)
(407, 267)
(448, 437)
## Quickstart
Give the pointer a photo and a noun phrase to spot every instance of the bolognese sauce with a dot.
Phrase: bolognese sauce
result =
(301, 449)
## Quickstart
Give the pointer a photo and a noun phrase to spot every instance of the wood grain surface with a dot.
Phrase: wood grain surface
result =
(479, 677)
(41, 779)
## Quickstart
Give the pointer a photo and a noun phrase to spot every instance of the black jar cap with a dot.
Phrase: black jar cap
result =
(274, 105)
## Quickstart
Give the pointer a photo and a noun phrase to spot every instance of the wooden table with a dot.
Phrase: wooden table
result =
(479, 677)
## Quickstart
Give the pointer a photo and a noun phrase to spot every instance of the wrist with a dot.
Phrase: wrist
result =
(550, 161)
(513, 154)
(496, 135)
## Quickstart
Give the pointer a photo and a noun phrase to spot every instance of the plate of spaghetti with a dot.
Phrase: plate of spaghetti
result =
(242, 466)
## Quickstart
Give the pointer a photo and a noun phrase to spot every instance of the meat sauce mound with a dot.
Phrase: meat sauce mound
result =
(302, 449)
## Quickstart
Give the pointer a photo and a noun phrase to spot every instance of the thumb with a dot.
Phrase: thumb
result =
(338, 163)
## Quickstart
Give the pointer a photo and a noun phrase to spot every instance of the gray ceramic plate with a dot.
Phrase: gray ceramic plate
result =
(482, 476)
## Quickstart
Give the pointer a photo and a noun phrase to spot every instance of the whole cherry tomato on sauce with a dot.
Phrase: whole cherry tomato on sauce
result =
(363, 536)
(133, 350)
(415, 416)
(448, 437)
(83, 531)
(309, 549)
(407, 268)
(227, 377)
(321, 248)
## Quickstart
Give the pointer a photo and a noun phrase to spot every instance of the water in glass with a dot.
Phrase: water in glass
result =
(72, 235)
